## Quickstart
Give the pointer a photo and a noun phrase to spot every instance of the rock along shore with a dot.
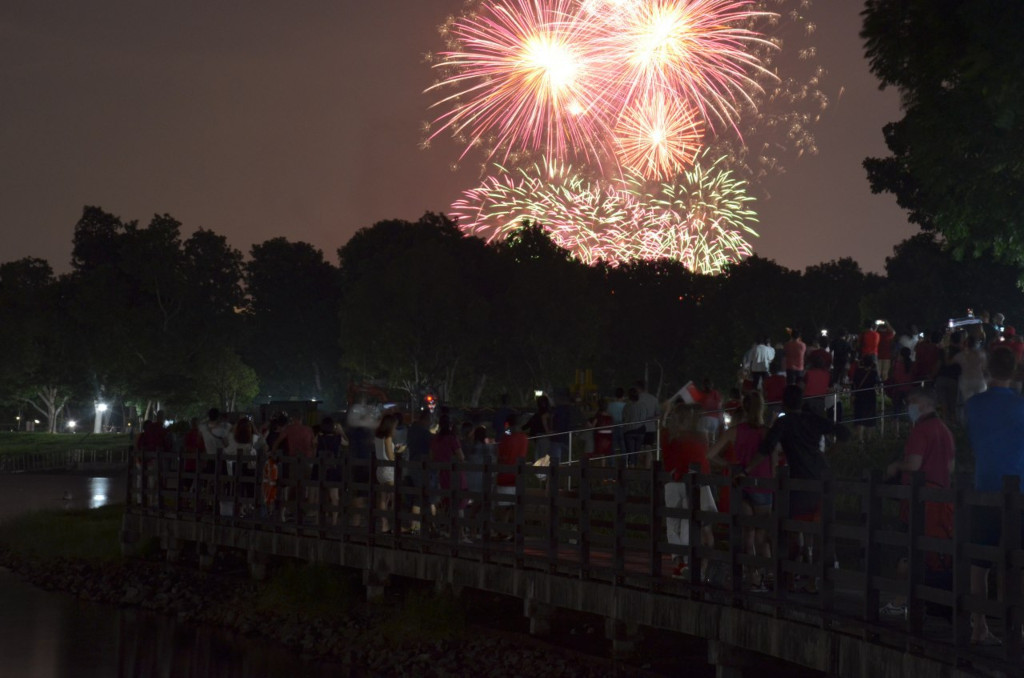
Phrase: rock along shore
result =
(352, 637)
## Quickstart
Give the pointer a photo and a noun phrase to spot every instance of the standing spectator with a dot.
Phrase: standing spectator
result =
(841, 350)
(501, 416)
(799, 435)
(563, 415)
(927, 357)
(929, 448)
(816, 352)
(758, 360)
(865, 395)
(328, 452)
(384, 450)
(511, 449)
(446, 449)
(995, 427)
(417, 475)
(794, 350)
(633, 426)
(746, 438)
(910, 339)
(886, 338)
(240, 455)
(902, 380)
(216, 432)
(647, 411)
(300, 443)
(712, 416)
(603, 435)
(816, 387)
(972, 369)
(615, 408)
(869, 340)
(947, 377)
(775, 385)
(476, 481)
(540, 427)
(684, 444)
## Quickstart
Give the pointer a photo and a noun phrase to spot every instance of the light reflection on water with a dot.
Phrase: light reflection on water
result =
(54, 635)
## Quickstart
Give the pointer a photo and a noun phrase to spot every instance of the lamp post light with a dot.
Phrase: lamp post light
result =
(72, 424)
(98, 424)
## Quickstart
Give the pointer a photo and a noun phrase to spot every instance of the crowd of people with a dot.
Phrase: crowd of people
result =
(962, 376)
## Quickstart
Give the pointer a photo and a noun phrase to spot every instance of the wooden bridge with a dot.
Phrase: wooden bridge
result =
(600, 548)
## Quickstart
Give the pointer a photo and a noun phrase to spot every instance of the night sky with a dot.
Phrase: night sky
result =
(261, 118)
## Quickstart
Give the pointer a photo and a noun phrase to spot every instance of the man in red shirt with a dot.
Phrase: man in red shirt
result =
(886, 335)
(511, 448)
(794, 350)
(869, 339)
(927, 357)
(930, 448)
(300, 443)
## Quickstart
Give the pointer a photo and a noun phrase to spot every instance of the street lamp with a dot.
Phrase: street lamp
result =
(72, 424)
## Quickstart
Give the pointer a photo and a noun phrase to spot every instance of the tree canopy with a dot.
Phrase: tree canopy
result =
(957, 163)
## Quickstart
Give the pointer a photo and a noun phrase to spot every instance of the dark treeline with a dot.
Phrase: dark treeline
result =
(147, 318)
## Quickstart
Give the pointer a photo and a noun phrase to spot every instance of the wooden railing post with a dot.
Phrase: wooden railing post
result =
(1011, 582)
(486, 512)
(553, 517)
(654, 500)
(872, 551)
(827, 557)
(963, 484)
(693, 526)
(917, 512)
(519, 527)
(780, 550)
(583, 510)
(737, 544)
(619, 548)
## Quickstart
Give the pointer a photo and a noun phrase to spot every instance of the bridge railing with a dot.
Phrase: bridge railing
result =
(27, 462)
(836, 571)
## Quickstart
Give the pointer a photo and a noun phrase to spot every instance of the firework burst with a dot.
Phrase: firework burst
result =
(658, 137)
(644, 115)
(525, 77)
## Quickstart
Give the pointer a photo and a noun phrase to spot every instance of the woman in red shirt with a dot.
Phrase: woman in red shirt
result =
(683, 445)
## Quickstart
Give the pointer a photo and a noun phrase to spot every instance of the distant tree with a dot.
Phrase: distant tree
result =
(957, 162)
(40, 367)
(832, 293)
(415, 310)
(292, 320)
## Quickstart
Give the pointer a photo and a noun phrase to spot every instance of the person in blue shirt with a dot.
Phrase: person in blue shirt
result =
(995, 427)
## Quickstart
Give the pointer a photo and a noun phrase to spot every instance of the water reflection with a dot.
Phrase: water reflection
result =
(99, 492)
(52, 635)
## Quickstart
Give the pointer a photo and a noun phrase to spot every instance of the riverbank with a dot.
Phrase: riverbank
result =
(318, 611)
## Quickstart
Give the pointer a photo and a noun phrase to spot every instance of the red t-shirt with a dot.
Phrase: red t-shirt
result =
(511, 449)
(794, 349)
(885, 345)
(678, 453)
(299, 439)
(773, 388)
(931, 440)
(816, 382)
(821, 356)
(869, 342)
(926, 359)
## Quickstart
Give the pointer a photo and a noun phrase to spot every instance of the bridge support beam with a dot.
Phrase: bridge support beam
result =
(172, 548)
(257, 562)
(729, 661)
(375, 583)
(539, 615)
(623, 635)
(207, 556)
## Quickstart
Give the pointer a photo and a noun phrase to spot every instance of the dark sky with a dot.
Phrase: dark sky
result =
(260, 118)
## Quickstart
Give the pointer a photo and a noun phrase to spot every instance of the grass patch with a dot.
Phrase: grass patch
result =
(309, 589)
(423, 616)
(90, 534)
(14, 442)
